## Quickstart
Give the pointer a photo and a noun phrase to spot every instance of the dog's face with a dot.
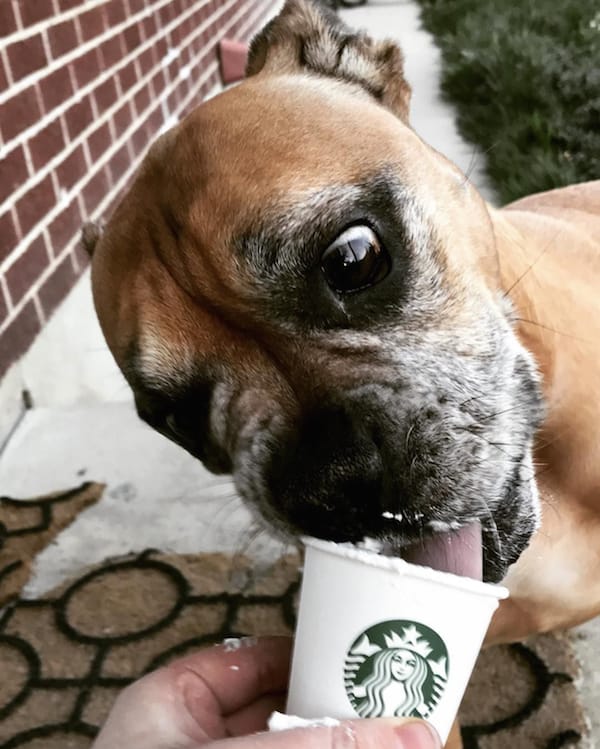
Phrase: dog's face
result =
(302, 293)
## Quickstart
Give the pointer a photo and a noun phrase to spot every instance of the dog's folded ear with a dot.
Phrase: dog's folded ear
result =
(90, 234)
(308, 37)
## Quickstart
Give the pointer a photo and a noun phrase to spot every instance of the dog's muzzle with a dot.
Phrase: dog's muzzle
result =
(346, 473)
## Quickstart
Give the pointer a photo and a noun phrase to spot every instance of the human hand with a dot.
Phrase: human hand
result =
(223, 696)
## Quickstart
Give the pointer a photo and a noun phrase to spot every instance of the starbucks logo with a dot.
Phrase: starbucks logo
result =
(396, 668)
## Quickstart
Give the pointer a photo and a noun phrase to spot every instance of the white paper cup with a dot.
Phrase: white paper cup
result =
(377, 636)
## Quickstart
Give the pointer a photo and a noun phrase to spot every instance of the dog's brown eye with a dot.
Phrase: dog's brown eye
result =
(355, 260)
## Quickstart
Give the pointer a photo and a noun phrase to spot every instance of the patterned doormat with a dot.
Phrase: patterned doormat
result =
(26, 527)
(64, 658)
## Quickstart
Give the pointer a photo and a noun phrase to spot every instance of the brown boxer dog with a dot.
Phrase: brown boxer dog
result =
(303, 293)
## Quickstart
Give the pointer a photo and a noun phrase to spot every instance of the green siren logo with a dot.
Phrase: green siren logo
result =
(396, 668)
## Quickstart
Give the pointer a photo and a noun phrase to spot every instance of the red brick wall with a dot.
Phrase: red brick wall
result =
(85, 86)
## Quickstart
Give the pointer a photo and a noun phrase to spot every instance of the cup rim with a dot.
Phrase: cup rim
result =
(351, 553)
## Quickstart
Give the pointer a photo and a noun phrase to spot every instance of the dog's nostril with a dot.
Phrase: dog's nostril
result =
(328, 479)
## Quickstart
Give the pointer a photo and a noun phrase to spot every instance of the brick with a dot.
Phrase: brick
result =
(172, 101)
(135, 6)
(127, 77)
(122, 119)
(92, 23)
(56, 88)
(119, 163)
(68, 4)
(3, 307)
(62, 38)
(26, 57)
(72, 169)
(111, 51)
(14, 172)
(35, 204)
(139, 139)
(132, 37)
(166, 14)
(158, 82)
(64, 227)
(3, 75)
(156, 119)
(18, 336)
(8, 22)
(19, 113)
(25, 271)
(86, 68)
(115, 12)
(79, 117)
(160, 49)
(173, 70)
(95, 190)
(105, 95)
(176, 35)
(149, 27)
(99, 142)
(81, 257)
(8, 235)
(109, 179)
(142, 100)
(46, 144)
(34, 11)
(186, 55)
(145, 61)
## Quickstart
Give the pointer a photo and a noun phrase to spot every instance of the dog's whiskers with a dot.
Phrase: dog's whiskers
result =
(553, 330)
(501, 413)
(532, 265)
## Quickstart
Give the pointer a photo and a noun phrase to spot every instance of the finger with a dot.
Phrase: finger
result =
(254, 717)
(184, 704)
(391, 733)
(234, 677)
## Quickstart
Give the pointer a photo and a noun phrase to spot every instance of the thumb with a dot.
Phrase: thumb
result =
(391, 733)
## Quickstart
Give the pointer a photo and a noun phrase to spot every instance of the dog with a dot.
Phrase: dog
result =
(304, 294)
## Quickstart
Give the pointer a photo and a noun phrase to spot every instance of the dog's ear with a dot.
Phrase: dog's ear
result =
(90, 234)
(306, 37)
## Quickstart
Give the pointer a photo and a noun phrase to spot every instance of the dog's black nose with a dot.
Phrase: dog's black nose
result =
(326, 479)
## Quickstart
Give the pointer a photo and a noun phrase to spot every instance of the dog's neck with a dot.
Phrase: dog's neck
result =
(557, 322)
(553, 321)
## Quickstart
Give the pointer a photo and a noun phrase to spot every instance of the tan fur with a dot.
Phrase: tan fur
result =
(165, 269)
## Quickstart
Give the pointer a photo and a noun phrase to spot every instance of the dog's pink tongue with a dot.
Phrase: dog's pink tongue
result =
(459, 552)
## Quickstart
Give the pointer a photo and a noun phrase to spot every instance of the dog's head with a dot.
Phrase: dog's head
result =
(301, 292)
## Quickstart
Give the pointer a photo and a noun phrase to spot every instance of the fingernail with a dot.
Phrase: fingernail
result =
(417, 735)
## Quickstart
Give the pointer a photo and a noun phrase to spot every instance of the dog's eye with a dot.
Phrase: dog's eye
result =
(355, 260)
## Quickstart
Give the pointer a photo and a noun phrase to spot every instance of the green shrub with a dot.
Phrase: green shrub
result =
(525, 78)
